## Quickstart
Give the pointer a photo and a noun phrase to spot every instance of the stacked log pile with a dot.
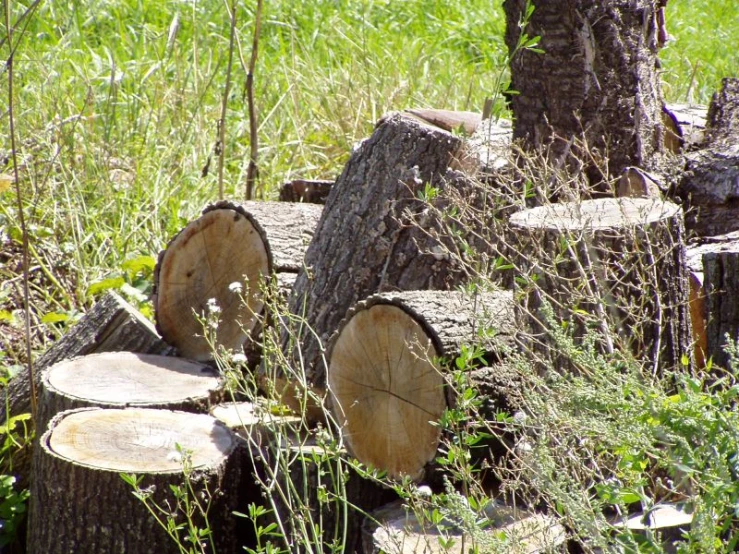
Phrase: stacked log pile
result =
(381, 326)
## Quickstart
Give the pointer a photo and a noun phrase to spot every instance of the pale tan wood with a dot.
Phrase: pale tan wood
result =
(221, 247)
(386, 387)
(121, 379)
(80, 503)
(254, 421)
(140, 440)
(395, 529)
(449, 120)
(635, 182)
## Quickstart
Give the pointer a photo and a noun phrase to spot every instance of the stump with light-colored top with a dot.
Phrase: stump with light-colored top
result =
(126, 379)
(613, 266)
(80, 503)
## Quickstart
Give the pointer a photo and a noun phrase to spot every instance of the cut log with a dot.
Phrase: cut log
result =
(386, 370)
(452, 121)
(306, 190)
(80, 503)
(255, 423)
(614, 266)
(395, 529)
(710, 183)
(123, 379)
(365, 243)
(228, 244)
(637, 183)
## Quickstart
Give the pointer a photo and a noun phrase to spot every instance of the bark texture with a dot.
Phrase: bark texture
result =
(123, 379)
(595, 81)
(710, 184)
(612, 266)
(364, 243)
(79, 503)
(721, 284)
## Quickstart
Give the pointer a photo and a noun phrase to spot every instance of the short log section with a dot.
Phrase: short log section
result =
(615, 266)
(229, 243)
(125, 379)
(710, 183)
(395, 529)
(386, 379)
(721, 284)
(80, 503)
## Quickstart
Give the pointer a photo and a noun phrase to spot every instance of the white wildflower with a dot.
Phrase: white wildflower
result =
(236, 287)
(213, 306)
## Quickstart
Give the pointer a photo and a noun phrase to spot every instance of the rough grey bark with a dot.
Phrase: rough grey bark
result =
(452, 319)
(309, 476)
(614, 266)
(596, 81)
(288, 228)
(710, 184)
(77, 506)
(111, 325)
(364, 242)
(721, 285)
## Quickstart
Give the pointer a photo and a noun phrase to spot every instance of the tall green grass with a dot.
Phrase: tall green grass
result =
(118, 101)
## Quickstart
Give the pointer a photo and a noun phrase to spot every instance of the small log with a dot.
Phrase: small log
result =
(228, 244)
(669, 522)
(79, 503)
(365, 242)
(305, 190)
(254, 422)
(396, 529)
(612, 265)
(386, 376)
(637, 183)
(685, 125)
(710, 183)
(123, 379)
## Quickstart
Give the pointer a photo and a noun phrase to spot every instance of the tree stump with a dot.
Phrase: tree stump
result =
(123, 379)
(721, 283)
(710, 183)
(386, 376)
(80, 503)
(395, 529)
(365, 242)
(613, 266)
(196, 274)
(596, 80)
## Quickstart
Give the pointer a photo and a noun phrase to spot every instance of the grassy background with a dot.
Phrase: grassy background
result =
(117, 103)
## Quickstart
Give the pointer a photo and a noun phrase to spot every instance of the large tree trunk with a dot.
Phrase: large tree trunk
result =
(365, 242)
(79, 503)
(710, 183)
(386, 370)
(595, 82)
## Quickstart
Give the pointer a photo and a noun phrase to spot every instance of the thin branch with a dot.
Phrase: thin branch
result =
(21, 215)
(252, 172)
(221, 145)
